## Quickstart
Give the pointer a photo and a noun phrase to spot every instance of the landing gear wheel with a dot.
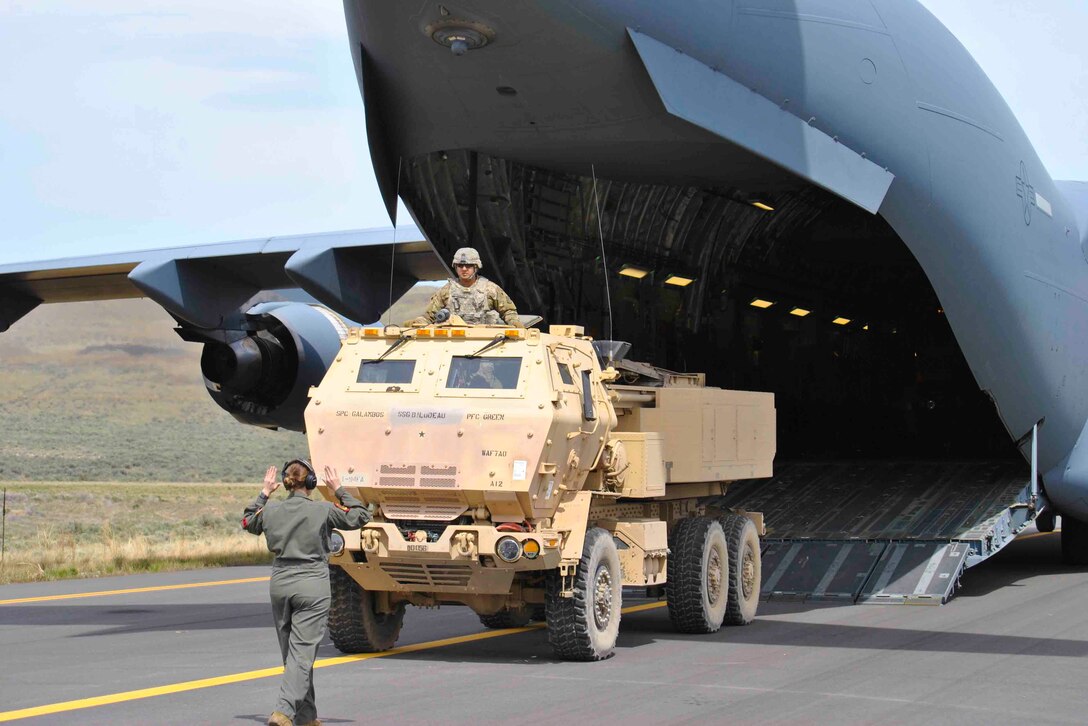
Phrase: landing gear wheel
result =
(585, 626)
(745, 574)
(1045, 521)
(1074, 541)
(508, 618)
(354, 624)
(698, 575)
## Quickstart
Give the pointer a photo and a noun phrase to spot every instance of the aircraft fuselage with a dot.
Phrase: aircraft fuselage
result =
(881, 87)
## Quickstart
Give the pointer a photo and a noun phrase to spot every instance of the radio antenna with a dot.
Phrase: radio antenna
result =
(604, 259)
(393, 253)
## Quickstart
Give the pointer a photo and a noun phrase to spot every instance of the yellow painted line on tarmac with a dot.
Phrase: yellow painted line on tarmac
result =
(270, 672)
(157, 588)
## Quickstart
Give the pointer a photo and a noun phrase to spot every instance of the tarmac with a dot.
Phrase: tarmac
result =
(197, 647)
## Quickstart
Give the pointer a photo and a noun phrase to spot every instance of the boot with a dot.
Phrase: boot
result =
(279, 719)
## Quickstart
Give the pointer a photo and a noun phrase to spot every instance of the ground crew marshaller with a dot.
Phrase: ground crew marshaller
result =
(476, 299)
(297, 531)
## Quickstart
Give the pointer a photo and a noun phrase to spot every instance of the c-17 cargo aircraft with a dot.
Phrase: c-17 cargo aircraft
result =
(826, 199)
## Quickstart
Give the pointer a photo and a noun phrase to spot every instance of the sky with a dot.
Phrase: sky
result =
(136, 124)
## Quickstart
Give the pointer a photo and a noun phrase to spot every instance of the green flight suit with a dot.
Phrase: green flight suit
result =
(297, 531)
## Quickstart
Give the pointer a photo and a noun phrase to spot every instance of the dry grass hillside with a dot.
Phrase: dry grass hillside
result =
(106, 391)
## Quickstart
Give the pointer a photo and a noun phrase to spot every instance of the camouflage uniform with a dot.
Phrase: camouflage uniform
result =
(482, 302)
(297, 530)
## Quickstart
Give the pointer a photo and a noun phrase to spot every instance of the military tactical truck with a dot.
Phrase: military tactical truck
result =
(534, 475)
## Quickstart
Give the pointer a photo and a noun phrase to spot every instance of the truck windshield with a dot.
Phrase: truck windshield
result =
(386, 371)
(469, 372)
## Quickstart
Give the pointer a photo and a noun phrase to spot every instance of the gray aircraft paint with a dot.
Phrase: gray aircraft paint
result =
(1000, 243)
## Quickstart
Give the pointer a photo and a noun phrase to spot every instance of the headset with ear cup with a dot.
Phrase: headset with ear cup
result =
(311, 477)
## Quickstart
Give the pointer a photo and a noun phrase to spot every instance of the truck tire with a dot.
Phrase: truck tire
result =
(585, 626)
(1074, 541)
(507, 618)
(697, 584)
(745, 574)
(354, 626)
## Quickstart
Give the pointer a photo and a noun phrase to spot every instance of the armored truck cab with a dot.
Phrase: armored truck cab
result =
(510, 472)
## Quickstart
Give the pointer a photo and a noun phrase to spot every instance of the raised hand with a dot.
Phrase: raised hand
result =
(331, 479)
(271, 481)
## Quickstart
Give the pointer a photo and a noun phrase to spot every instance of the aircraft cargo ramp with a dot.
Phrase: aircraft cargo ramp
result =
(882, 532)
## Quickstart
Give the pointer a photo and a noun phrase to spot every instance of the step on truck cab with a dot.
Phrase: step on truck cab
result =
(533, 475)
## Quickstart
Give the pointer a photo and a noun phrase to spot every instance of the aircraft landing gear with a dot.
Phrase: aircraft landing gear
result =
(1045, 521)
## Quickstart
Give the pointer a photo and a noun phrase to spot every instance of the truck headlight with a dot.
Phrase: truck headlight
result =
(336, 543)
(508, 549)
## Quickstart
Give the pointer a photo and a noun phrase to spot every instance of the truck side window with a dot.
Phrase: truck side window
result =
(587, 398)
(564, 374)
(386, 371)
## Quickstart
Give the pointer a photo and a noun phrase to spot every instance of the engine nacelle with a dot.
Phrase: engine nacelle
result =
(262, 376)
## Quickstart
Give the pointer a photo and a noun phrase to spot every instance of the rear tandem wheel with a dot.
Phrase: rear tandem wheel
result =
(745, 572)
(697, 585)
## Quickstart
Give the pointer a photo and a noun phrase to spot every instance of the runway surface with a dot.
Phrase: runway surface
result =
(197, 647)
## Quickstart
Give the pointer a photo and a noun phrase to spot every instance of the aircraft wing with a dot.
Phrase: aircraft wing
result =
(205, 285)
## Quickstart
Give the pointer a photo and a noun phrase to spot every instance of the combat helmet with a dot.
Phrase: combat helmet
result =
(467, 256)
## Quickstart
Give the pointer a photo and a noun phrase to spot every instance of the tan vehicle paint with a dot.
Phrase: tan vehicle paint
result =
(455, 433)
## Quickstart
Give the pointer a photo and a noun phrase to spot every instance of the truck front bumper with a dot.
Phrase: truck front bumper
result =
(467, 559)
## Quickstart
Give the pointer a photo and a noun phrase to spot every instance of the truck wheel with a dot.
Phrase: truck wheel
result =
(697, 582)
(1074, 541)
(507, 618)
(584, 627)
(354, 626)
(745, 575)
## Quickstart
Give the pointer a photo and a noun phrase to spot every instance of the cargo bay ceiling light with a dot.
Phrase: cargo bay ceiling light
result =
(460, 35)
(841, 321)
(800, 312)
(678, 280)
(632, 271)
(761, 205)
(761, 303)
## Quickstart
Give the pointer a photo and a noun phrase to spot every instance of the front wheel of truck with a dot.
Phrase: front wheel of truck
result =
(355, 626)
(585, 626)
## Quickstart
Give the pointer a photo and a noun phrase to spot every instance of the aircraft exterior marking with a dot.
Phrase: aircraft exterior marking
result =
(1026, 192)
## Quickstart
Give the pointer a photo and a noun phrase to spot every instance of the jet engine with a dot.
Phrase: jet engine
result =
(262, 375)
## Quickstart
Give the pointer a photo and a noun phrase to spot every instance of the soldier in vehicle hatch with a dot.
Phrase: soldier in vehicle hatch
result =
(297, 532)
(475, 299)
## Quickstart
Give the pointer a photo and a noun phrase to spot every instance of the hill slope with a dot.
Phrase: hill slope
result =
(106, 391)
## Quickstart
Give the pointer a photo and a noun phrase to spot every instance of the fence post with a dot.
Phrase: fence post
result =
(4, 528)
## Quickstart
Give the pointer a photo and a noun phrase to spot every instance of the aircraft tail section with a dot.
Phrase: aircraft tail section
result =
(717, 103)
